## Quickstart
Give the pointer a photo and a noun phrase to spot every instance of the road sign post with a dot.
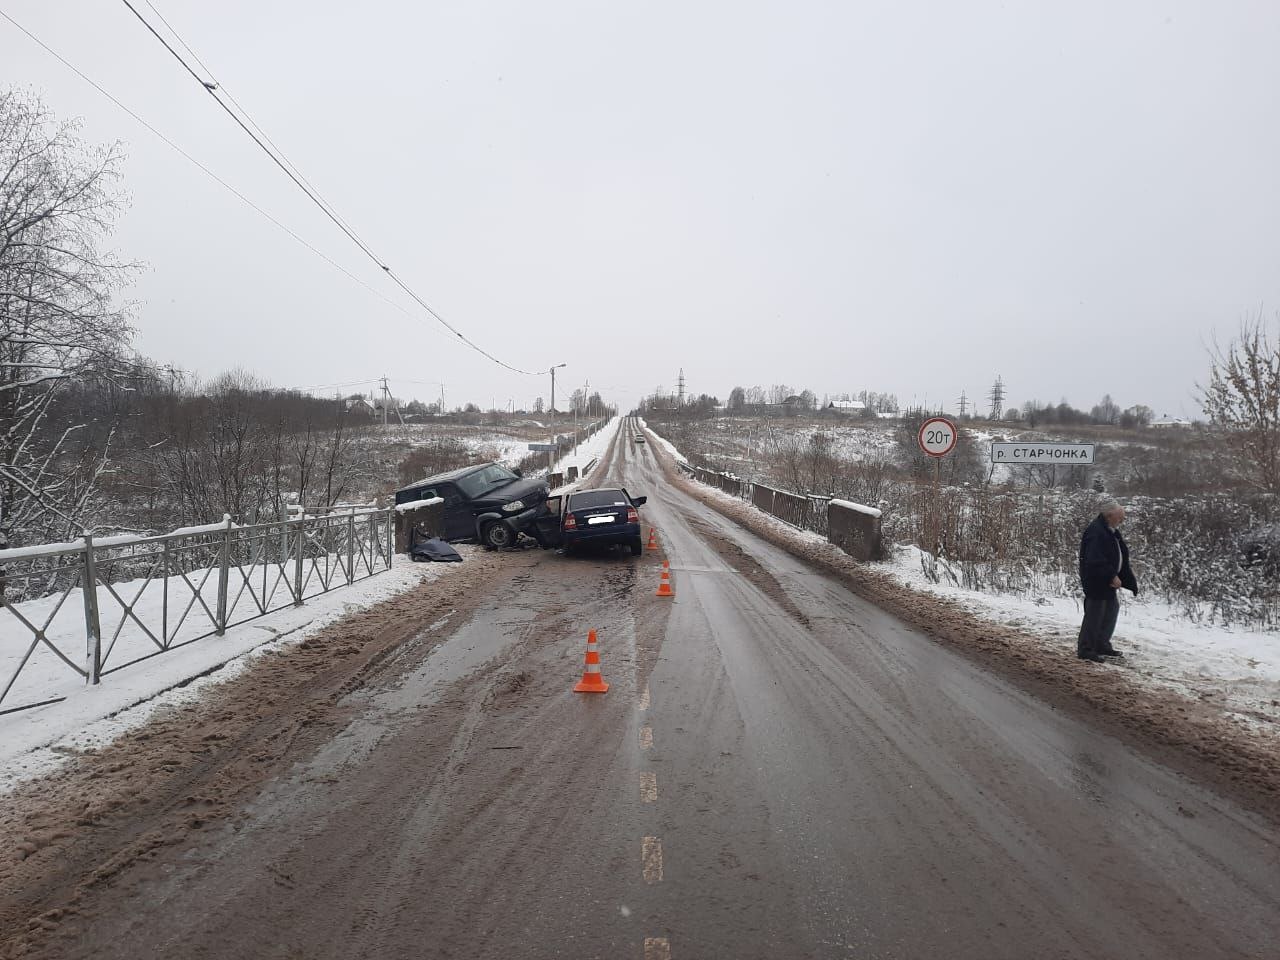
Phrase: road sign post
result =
(937, 438)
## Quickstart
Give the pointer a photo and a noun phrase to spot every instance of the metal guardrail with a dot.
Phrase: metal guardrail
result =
(802, 511)
(141, 597)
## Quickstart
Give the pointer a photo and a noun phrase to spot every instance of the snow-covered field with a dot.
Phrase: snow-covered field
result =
(1236, 669)
(33, 741)
(507, 444)
(497, 447)
(737, 439)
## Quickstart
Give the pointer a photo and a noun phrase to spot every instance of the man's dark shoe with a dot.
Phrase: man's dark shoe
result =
(1091, 656)
(1112, 653)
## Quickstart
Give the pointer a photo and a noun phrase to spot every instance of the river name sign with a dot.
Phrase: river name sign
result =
(1041, 454)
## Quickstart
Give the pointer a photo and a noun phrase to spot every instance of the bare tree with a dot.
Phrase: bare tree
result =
(779, 393)
(1139, 415)
(1107, 411)
(1243, 399)
(59, 326)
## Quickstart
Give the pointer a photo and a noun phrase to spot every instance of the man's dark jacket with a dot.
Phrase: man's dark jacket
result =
(1103, 555)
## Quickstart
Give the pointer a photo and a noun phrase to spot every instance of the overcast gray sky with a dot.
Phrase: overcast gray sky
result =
(906, 197)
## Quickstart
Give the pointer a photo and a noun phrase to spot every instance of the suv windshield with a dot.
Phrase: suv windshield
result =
(598, 498)
(475, 484)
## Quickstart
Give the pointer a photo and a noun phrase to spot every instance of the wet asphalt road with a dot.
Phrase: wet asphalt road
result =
(778, 770)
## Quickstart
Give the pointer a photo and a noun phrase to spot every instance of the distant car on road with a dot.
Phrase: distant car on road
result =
(604, 516)
(639, 438)
(487, 502)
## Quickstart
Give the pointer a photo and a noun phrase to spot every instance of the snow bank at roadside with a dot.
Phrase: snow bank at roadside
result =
(593, 448)
(35, 741)
(1238, 671)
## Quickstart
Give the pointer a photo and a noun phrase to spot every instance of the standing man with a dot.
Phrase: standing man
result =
(1104, 569)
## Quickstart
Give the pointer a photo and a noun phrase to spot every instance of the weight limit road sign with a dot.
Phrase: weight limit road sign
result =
(1041, 453)
(937, 436)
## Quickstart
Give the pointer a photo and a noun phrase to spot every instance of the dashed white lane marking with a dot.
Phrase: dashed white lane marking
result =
(648, 788)
(644, 697)
(657, 948)
(646, 738)
(651, 860)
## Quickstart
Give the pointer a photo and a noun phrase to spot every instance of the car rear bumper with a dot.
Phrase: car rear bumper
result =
(611, 533)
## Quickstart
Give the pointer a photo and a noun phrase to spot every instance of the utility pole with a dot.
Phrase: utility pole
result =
(386, 400)
(551, 453)
(680, 391)
(964, 403)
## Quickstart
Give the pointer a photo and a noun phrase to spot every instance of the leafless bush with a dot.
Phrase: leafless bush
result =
(193, 452)
(435, 457)
(963, 465)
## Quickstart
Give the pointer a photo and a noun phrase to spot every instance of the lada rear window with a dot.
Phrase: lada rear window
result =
(598, 498)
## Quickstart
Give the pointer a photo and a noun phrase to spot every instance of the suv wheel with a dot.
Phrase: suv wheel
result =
(637, 548)
(497, 535)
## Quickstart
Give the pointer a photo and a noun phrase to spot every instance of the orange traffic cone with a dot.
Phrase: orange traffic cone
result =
(653, 544)
(591, 681)
(664, 588)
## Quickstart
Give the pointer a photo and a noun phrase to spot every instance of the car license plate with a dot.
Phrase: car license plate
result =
(601, 520)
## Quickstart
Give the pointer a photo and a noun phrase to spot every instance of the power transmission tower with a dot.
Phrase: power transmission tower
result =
(964, 403)
(996, 396)
(680, 392)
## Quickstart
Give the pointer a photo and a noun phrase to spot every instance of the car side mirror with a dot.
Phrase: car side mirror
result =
(639, 501)
(517, 472)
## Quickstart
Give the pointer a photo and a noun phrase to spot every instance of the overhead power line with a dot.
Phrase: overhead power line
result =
(334, 386)
(284, 164)
(211, 87)
(243, 112)
(200, 166)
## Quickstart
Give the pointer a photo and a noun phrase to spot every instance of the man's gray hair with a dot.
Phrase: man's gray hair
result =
(1109, 506)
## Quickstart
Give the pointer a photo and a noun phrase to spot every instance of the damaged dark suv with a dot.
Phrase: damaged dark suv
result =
(488, 502)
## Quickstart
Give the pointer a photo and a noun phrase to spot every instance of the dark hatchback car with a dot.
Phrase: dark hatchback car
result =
(604, 516)
(487, 502)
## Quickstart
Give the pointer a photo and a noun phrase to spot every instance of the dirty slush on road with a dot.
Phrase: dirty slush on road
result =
(292, 731)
